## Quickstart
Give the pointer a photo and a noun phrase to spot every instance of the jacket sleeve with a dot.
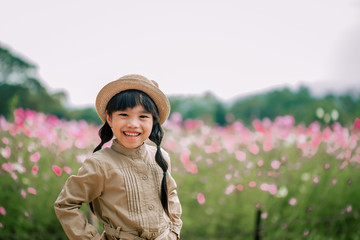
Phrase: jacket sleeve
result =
(82, 188)
(174, 202)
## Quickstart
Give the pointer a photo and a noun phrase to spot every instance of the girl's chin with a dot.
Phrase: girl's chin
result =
(131, 143)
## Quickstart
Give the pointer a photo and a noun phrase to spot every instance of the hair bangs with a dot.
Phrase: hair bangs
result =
(130, 99)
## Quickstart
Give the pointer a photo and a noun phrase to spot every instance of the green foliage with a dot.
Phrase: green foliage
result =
(204, 107)
(89, 114)
(20, 96)
(315, 196)
(13, 68)
(303, 179)
(31, 214)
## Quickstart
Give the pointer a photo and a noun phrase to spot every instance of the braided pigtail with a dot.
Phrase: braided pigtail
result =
(105, 134)
(156, 136)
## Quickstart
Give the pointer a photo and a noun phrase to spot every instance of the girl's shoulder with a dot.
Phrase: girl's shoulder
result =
(152, 150)
(106, 157)
(101, 154)
(96, 158)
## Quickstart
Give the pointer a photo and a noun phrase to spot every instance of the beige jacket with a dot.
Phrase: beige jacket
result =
(124, 188)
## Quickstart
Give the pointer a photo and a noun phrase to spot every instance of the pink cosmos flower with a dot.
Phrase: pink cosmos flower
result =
(67, 170)
(260, 163)
(228, 176)
(2, 210)
(200, 198)
(80, 143)
(176, 117)
(326, 166)
(214, 147)
(8, 167)
(209, 161)
(252, 184)
(230, 189)
(273, 189)
(80, 158)
(13, 176)
(5, 140)
(268, 143)
(237, 126)
(314, 127)
(4, 125)
(57, 170)
(264, 187)
(192, 168)
(19, 116)
(35, 157)
(32, 190)
(185, 155)
(254, 149)
(6, 152)
(257, 124)
(240, 187)
(292, 201)
(316, 179)
(357, 124)
(23, 193)
(275, 164)
(334, 181)
(327, 133)
(240, 156)
(191, 124)
(34, 169)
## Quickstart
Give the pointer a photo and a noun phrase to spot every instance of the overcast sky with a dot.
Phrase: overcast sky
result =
(230, 47)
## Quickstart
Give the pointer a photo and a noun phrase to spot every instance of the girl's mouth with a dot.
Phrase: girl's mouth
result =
(131, 134)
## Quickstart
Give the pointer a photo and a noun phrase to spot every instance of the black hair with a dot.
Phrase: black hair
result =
(130, 99)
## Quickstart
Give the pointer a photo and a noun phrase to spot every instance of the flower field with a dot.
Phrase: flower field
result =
(303, 181)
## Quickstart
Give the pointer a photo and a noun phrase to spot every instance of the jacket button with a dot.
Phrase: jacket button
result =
(151, 207)
(144, 177)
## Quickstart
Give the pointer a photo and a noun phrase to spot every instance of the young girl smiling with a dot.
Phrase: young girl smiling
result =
(128, 185)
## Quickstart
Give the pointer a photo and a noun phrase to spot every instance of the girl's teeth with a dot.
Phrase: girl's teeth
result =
(131, 134)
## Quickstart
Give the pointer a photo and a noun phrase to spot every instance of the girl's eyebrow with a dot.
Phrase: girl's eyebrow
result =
(145, 112)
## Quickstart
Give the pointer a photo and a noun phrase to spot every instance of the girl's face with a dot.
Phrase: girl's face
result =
(131, 126)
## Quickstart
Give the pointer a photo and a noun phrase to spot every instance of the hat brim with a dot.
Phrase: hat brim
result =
(136, 82)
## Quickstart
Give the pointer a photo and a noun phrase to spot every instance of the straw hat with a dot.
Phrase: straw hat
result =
(133, 81)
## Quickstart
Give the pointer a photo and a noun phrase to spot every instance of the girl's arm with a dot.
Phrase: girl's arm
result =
(174, 202)
(83, 188)
(174, 206)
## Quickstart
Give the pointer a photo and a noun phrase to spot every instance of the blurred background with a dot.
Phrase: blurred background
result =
(270, 87)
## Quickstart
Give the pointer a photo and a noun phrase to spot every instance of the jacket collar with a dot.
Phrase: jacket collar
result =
(131, 152)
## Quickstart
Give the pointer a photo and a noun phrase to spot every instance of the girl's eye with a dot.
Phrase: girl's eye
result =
(144, 116)
(123, 114)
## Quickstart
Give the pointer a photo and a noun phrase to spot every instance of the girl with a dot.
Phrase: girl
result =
(128, 185)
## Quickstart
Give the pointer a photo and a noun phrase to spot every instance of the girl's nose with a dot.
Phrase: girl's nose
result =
(133, 123)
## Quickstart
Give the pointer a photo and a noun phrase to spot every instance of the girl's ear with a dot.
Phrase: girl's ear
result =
(108, 119)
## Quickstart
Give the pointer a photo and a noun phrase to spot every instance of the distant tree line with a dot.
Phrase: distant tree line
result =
(299, 103)
(21, 87)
